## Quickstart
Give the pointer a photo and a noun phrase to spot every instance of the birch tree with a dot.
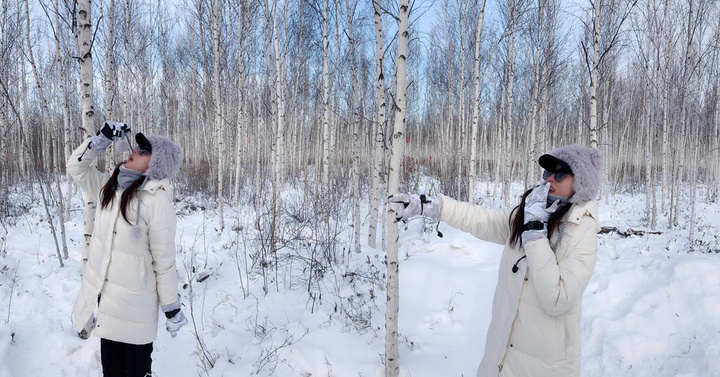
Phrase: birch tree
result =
(326, 102)
(378, 125)
(84, 41)
(220, 142)
(354, 110)
(392, 366)
(472, 174)
(241, 107)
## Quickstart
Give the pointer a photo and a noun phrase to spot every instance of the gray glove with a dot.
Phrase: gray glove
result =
(537, 213)
(175, 319)
(409, 205)
(174, 323)
(108, 133)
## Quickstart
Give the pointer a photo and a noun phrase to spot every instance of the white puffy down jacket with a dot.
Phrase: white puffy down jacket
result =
(535, 325)
(131, 275)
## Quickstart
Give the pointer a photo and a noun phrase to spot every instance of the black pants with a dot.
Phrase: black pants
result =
(125, 360)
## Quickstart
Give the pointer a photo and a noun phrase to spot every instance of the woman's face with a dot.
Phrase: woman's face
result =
(139, 161)
(563, 188)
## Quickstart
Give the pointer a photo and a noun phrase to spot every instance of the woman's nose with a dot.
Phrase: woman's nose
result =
(551, 178)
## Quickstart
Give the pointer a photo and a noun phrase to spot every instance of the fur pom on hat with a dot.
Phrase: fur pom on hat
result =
(586, 165)
(165, 156)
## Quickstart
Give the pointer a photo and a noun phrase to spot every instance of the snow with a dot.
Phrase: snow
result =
(649, 310)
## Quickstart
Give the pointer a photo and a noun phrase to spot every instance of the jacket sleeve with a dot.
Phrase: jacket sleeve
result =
(161, 234)
(491, 225)
(84, 172)
(560, 285)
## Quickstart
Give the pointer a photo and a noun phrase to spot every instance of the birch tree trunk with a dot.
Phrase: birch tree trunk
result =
(594, 77)
(326, 102)
(128, 71)
(279, 101)
(378, 171)
(472, 174)
(110, 73)
(462, 135)
(354, 121)
(392, 366)
(4, 174)
(241, 109)
(666, 108)
(215, 20)
(83, 36)
(63, 72)
(534, 102)
(508, 122)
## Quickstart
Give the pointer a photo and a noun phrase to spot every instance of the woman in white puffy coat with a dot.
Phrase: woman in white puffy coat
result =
(550, 243)
(129, 265)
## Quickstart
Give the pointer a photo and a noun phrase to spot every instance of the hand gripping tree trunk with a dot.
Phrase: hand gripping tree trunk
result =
(392, 366)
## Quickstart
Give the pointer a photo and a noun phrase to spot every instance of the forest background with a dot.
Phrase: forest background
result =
(347, 101)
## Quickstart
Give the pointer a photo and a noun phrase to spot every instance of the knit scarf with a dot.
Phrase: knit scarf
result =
(126, 177)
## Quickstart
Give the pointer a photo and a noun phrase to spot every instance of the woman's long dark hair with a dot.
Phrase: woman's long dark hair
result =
(517, 220)
(107, 194)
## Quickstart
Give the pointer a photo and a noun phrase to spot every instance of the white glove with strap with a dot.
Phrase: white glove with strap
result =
(409, 205)
(537, 213)
(175, 319)
(110, 132)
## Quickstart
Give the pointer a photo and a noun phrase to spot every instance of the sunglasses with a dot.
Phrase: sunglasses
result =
(142, 152)
(559, 175)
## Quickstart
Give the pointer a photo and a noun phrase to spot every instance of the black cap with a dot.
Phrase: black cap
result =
(550, 163)
(143, 142)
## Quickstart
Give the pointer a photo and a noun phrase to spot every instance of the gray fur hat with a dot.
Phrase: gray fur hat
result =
(586, 166)
(165, 156)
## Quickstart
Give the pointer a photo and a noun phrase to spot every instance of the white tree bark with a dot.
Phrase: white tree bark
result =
(63, 72)
(279, 100)
(594, 77)
(666, 108)
(110, 73)
(462, 134)
(472, 175)
(378, 127)
(240, 141)
(128, 70)
(326, 103)
(83, 36)
(220, 142)
(508, 122)
(392, 366)
(354, 121)
(530, 165)
(4, 138)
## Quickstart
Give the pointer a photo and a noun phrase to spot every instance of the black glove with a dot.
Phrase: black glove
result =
(114, 130)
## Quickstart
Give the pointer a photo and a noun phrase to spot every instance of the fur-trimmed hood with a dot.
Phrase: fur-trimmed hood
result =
(165, 156)
(586, 165)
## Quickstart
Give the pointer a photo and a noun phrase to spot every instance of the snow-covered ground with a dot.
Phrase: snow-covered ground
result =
(651, 309)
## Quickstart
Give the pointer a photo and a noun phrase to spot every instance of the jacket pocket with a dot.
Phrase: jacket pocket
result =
(539, 335)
